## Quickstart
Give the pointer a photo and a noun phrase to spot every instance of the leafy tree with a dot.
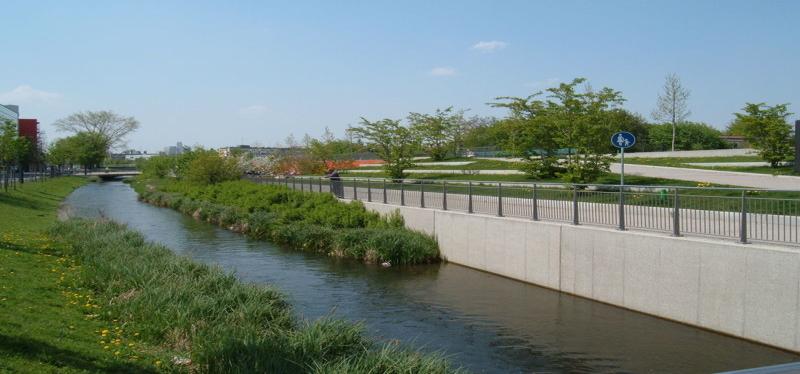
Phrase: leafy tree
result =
(13, 149)
(61, 153)
(672, 104)
(208, 167)
(578, 121)
(160, 166)
(481, 132)
(394, 143)
(90, 149)
(439, 133)
(767, 129)
(107, 125)
(690, 136)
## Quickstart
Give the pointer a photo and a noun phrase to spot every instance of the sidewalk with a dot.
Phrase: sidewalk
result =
(733, 178)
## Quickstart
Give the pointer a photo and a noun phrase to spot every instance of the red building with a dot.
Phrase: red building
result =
(29, 128)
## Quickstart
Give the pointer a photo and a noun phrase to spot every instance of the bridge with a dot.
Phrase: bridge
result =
(113, 174)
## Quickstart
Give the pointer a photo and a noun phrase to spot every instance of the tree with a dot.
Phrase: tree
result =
(672, 104)
(767, 129)
(207, 167)
(578, 122)
(90, 149)
(61, 153)
(109, 126)
(13, 149)
(691, 136)
(440, 132)
(394, 143)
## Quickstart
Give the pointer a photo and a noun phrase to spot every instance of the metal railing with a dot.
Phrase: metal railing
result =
(734, 213)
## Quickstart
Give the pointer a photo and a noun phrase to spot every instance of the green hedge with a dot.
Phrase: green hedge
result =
(304, 220)
(223, 325)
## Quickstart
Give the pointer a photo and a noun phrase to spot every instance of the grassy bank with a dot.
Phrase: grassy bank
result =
(303, 220)
(48, 321)
(222, 325)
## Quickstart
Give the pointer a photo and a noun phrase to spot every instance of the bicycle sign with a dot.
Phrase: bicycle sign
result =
(623, 139)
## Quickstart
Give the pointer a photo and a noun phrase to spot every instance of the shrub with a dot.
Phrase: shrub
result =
(208, 167)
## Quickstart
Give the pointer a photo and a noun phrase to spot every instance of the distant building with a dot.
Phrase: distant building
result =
(175, 150)
(9, 113)
(29, 128)
(255, 152)
(131, 155)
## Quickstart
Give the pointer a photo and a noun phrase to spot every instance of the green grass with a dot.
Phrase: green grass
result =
(45, 323)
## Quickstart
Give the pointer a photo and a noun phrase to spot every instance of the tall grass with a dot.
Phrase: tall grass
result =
(303, 220)
(206, 314)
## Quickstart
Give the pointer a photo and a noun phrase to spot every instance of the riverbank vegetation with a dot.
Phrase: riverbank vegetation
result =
(92, 296)
(304, 220)
(49, 320)
(210, 320)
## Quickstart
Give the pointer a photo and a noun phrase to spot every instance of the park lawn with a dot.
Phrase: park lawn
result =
(46, 322)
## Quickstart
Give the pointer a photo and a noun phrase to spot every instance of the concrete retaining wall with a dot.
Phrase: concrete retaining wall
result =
(750, 291)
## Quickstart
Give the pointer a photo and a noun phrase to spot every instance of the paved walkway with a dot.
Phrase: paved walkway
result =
(732, 178)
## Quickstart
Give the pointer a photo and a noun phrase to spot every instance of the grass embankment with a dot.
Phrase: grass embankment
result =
(49, 320)
(221, 324)
(309, 221)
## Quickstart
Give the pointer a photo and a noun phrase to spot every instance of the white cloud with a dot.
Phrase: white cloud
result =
(253, 111)
(25, 94)
(442, 71)
(490, 46)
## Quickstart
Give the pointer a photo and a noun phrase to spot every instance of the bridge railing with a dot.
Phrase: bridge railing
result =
(734, 213)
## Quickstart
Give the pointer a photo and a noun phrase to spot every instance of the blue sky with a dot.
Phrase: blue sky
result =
(226, 72)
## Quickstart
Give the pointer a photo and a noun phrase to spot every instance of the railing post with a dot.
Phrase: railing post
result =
(743, 220)
(621, 208)
(402, 193)
(499, 199)
(535, 204)
(421, 194)
(469, 191)
(355, 191)
(384, 191)
(444, 195)
(302, 186)
(676, 215)
(369, 190)
(294, 187)
(320, 184)
(575, 219)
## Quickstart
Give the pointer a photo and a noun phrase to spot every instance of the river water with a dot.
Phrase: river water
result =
(484, 322)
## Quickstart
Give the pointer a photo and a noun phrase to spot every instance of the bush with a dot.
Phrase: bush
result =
(542, 168)
(209, 168)
(689, 136)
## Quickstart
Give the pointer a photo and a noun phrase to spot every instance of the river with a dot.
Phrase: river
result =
(484, 322)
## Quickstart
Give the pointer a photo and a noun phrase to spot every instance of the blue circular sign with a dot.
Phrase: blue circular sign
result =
(623, 139)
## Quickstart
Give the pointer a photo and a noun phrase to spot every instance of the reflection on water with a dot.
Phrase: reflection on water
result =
(484, 322)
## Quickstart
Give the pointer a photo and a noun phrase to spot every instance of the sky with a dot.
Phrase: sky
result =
(219, 73)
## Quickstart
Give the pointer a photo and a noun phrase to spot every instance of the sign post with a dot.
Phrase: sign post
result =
(622, 140)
